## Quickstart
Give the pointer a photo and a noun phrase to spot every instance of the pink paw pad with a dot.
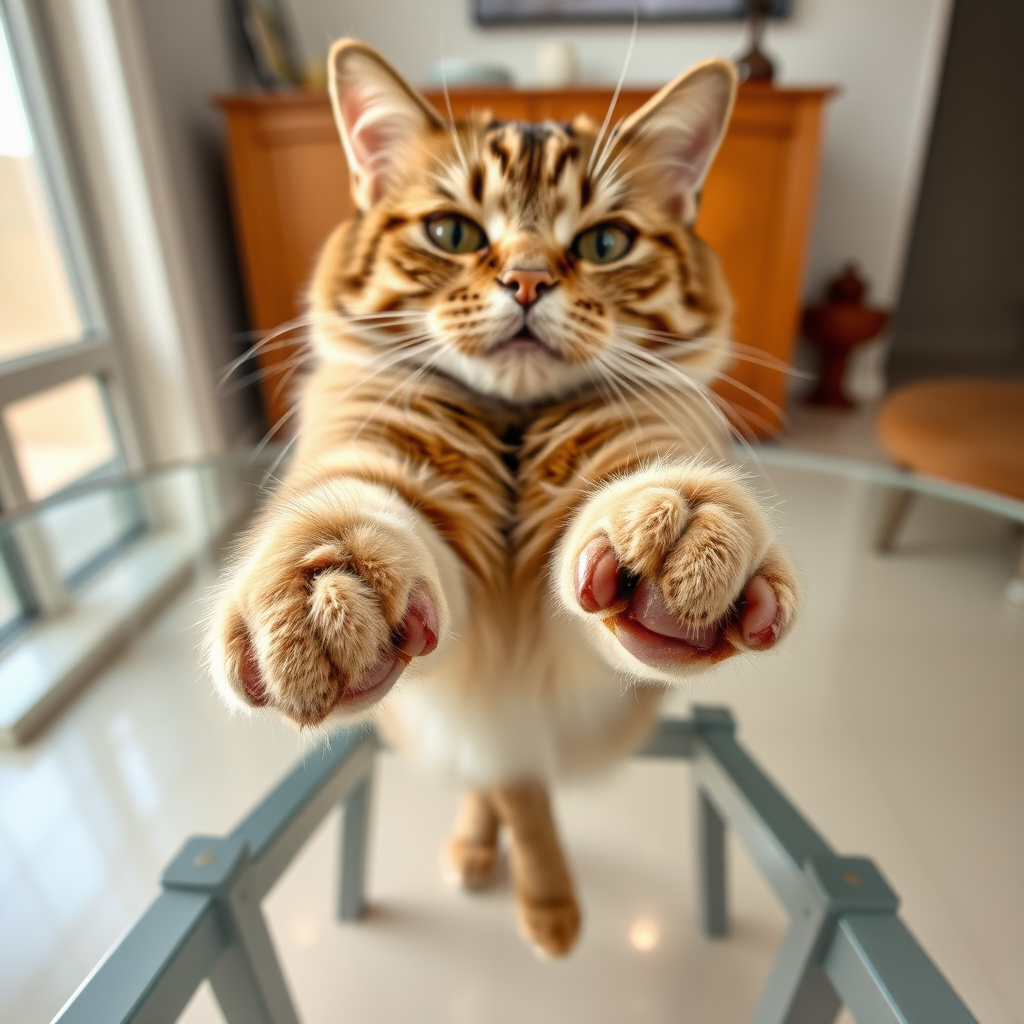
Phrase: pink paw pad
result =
(252, 681)
(759, 614)
(644, 624)
(417, 636)
(597, 576)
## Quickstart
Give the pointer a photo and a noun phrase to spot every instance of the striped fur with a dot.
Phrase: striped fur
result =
(451, 486)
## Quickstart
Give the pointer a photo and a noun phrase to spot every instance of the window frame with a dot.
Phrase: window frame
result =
(96, 353)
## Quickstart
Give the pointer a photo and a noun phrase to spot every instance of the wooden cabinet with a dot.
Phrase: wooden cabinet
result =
(289, 185)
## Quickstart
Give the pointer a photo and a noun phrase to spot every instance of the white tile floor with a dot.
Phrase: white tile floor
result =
(893, 720)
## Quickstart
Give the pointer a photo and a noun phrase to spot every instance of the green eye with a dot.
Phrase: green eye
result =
(452, 233)
(604, 244)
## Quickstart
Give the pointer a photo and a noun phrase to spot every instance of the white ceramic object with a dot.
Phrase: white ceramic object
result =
(556, 64)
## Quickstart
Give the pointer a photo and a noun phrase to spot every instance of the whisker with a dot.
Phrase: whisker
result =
(615, 95)
(447, 98)
(630, 357)
(724, 412)
(621, 364)
(402, 383)
(282, 420)
(677, 345)
(607, 149)
(258, 375)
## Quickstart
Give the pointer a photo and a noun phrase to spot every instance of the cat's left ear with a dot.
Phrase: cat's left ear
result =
(377, 112)
(681, 128)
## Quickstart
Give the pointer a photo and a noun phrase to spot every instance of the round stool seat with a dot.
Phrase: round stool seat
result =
(966, 429)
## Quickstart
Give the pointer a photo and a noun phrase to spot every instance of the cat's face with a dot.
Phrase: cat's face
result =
(527, 260)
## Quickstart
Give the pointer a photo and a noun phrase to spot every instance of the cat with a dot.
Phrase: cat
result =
(510, 510)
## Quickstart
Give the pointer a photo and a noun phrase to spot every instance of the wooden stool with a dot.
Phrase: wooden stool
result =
(969, 430)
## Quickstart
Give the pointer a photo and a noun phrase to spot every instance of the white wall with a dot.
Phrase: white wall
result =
(885, 56)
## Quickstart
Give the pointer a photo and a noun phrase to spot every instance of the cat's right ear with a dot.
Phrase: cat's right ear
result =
(377, 111)
(682, 127)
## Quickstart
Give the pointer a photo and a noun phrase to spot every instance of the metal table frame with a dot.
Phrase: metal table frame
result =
(845, 944)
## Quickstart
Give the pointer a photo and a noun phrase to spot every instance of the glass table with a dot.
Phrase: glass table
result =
(890, 720)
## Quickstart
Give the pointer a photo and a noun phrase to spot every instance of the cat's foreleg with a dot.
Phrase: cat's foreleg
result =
(339, 587)
(674, 567)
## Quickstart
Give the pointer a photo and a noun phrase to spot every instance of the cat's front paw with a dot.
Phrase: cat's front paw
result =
(332, 604)
(678, 566)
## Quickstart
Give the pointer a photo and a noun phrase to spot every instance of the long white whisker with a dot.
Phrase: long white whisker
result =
(609, 172)
(648, 362)
(282, 420)
(447, 98)
(617, 395)
(607, 149)
(674, 344)
(674, 399)
(401, 384)
(618, 89)
(261, 374)
(711, 400)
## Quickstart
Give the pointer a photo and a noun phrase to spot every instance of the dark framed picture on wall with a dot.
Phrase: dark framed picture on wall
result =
(504, 12)
(269, 45)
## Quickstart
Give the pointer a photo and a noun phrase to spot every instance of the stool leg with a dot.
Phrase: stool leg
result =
(1015, 588)
(897, 505)
(711, 869)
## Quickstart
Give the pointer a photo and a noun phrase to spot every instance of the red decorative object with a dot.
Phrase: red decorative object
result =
(837, 327)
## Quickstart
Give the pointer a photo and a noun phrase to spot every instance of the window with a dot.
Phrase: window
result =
(62, 415)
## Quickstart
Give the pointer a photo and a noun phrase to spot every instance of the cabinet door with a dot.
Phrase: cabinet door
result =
(756, 212)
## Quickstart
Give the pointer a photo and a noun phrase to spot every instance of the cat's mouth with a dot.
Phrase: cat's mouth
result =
(525, 343)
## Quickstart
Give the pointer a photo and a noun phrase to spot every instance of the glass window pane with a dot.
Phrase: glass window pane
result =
(61, 435)
(85, 533)
(37, 305)
(11, 611)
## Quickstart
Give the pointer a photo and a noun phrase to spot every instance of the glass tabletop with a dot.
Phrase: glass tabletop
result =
(890, 717)
(268, 464)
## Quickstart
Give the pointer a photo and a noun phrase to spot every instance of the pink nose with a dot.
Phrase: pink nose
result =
(527, 284)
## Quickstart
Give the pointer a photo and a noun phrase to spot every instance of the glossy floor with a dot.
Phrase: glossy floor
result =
(892, 718)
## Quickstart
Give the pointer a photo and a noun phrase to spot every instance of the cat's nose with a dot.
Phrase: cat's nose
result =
(527, 285)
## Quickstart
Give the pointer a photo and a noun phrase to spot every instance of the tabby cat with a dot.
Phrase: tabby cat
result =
(510, 510)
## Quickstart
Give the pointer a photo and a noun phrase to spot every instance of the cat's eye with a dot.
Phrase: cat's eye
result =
(605, 243)
(454, 233)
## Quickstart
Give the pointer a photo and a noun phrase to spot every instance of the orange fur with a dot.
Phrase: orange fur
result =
(479, 419)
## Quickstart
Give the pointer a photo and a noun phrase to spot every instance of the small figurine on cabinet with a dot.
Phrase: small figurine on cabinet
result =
(836, 328)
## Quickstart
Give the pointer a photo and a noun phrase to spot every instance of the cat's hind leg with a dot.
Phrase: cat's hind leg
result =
(549, 916)
(469, 857)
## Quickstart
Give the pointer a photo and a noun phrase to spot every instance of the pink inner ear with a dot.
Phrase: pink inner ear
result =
(365, 138)
(685, 163)
(370, 138)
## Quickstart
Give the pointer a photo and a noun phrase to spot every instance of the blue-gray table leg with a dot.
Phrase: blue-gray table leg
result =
(235, 989)
(254, 975)
(355, 831)
(711, 871)
(797, 991)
